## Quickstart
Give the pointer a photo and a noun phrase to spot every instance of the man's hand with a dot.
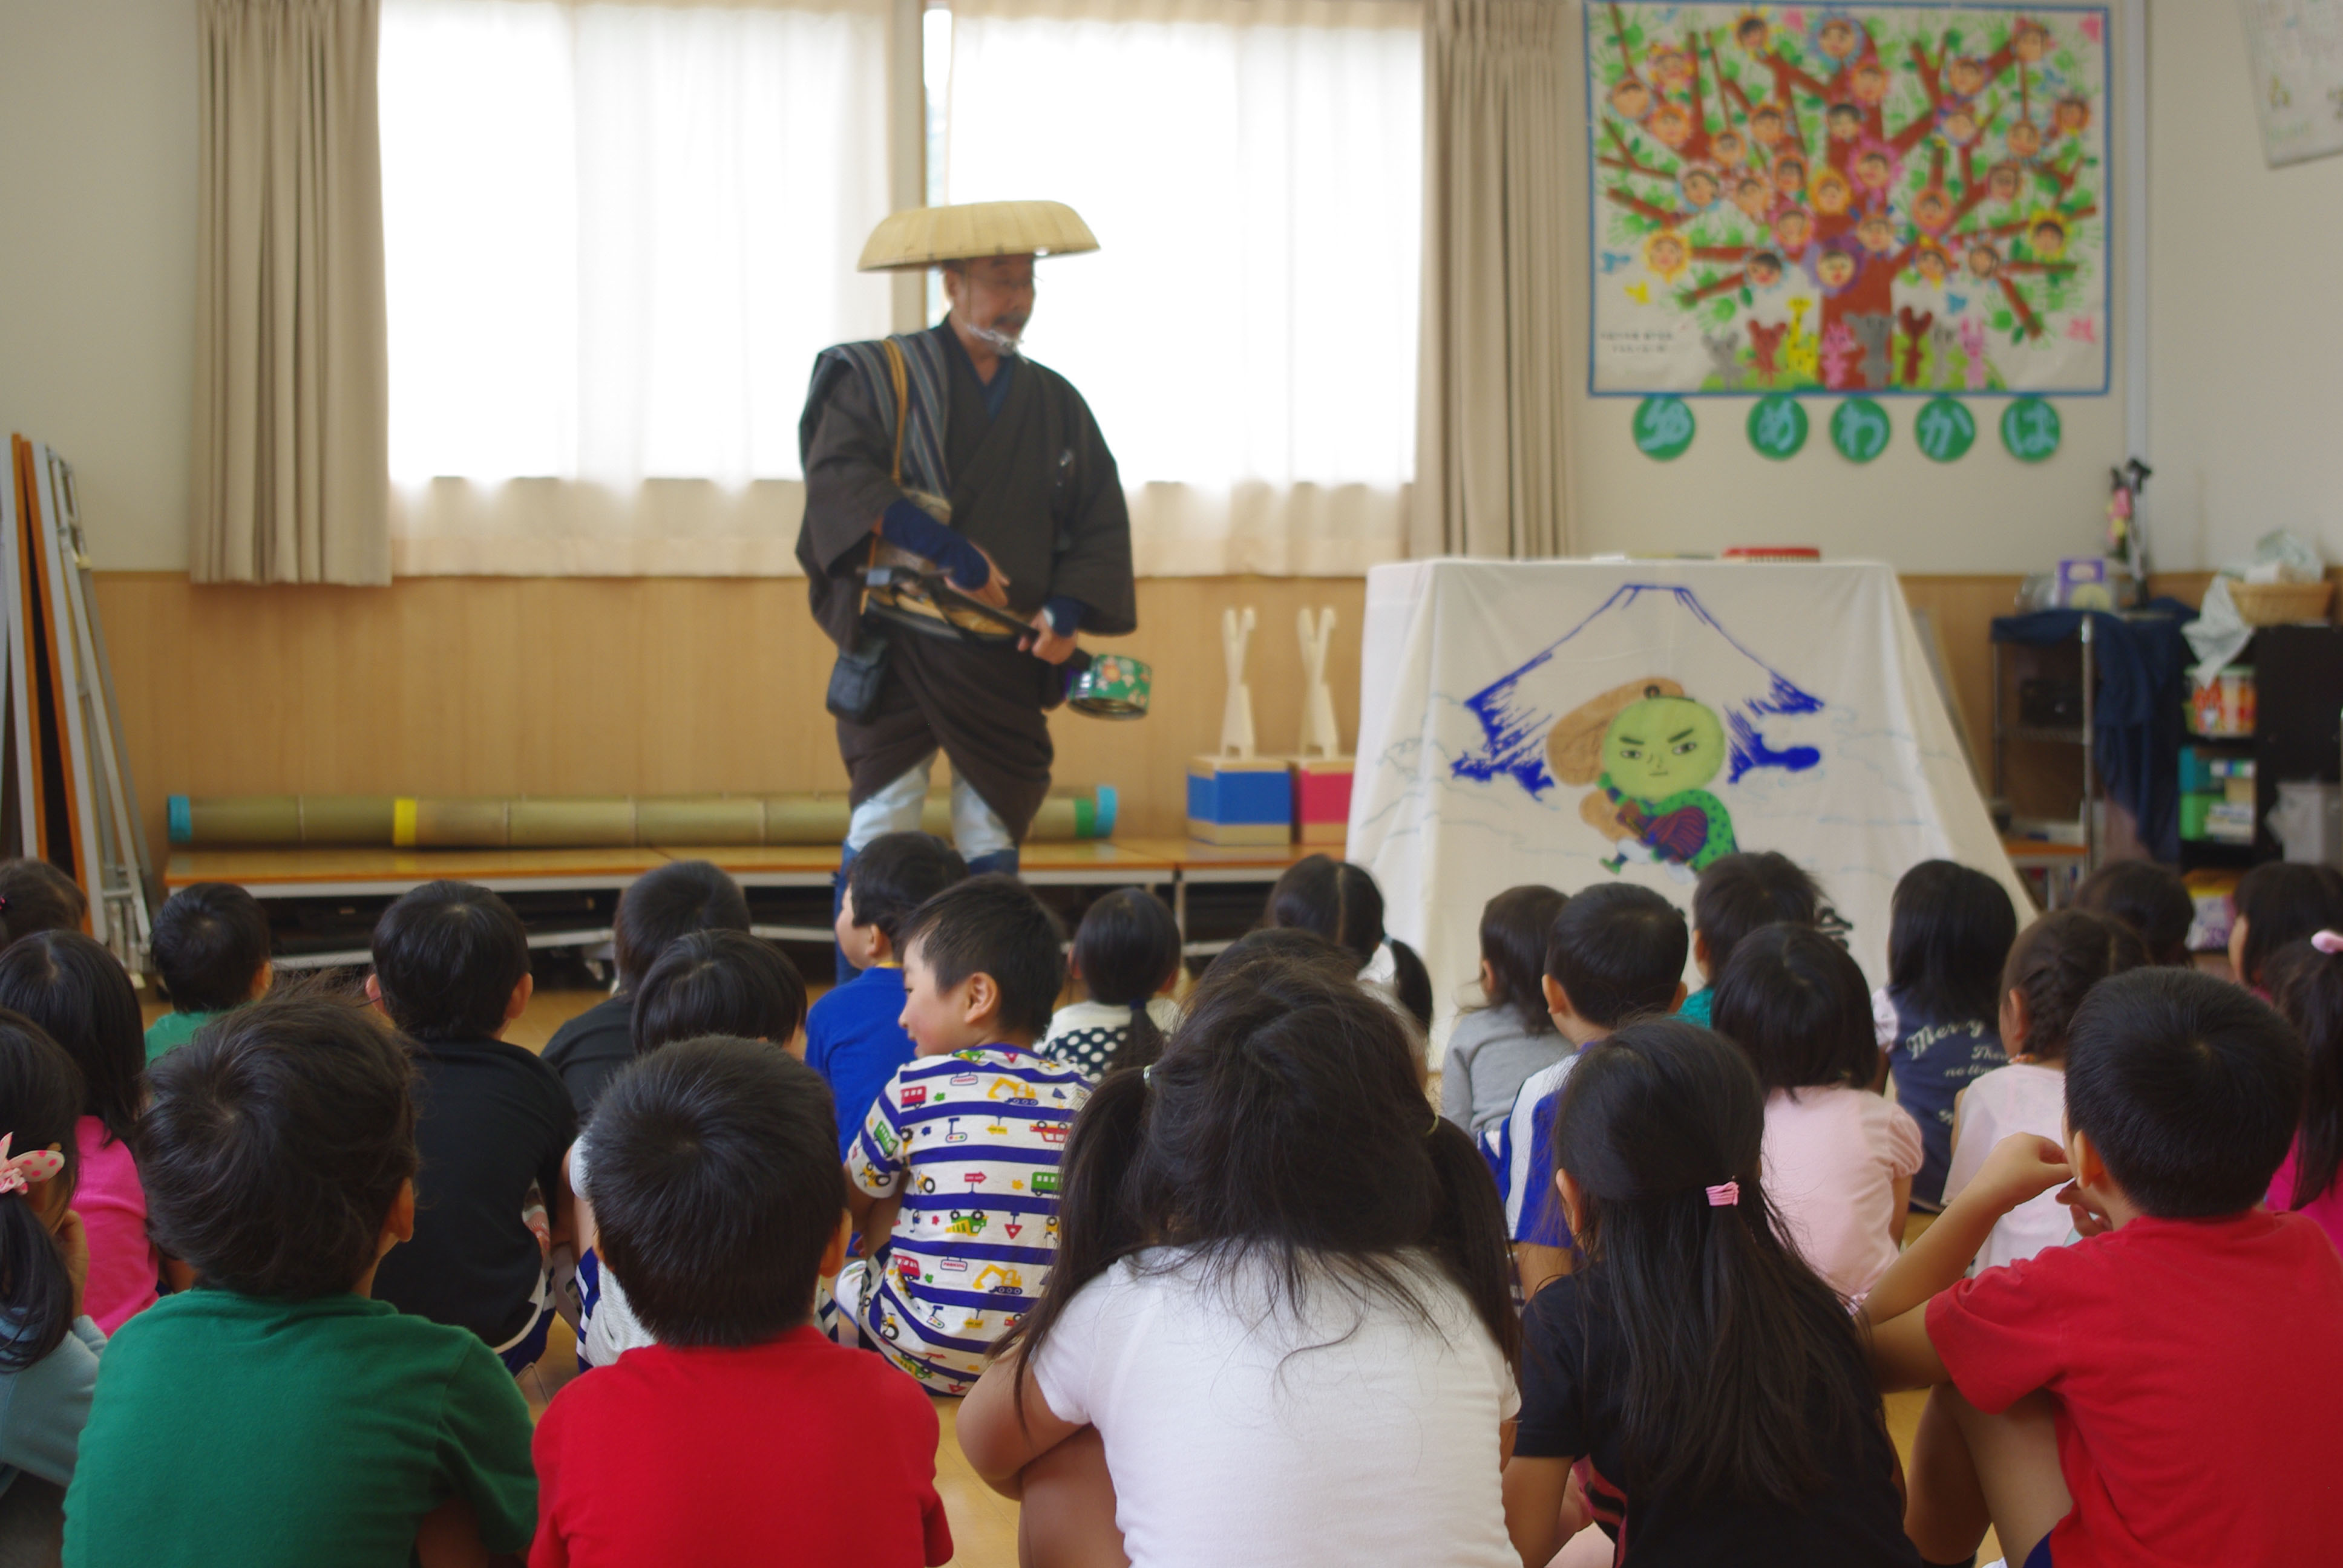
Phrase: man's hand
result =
(1043, 641)
(995, 591)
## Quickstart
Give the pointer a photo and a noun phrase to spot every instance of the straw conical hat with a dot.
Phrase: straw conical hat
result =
(922, 236)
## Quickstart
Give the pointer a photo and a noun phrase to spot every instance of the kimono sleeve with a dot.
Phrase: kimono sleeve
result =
(1092, 560)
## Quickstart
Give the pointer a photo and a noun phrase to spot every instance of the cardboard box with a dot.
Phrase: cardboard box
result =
(1321, 800)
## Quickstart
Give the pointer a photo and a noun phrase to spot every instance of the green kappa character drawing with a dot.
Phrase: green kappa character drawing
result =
(1647, 748)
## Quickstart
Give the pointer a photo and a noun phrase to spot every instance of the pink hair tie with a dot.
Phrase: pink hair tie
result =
(2328, 941)
(33, 1165)
(1724, 1195)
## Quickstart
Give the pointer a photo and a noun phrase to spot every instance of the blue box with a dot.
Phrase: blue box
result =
(1233, 801)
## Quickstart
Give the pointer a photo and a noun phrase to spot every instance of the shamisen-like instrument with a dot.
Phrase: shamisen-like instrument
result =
(1104, 686)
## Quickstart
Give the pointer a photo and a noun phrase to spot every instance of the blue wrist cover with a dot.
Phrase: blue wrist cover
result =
(905, 523)
(1065, 613)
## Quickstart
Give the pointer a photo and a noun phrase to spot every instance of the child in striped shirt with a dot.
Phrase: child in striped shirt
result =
(953, 1180)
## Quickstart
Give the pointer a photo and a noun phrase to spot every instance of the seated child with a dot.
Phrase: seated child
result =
(35, 896)
(1714, 1388)
(1127, 957)
(1340, 903)
(2148, 1393)
(279, 1416)
(2278, 903)
(854, 1036)
(1291, 1301)
(78, 994)
(2309, 981)
(451, 971)
(1736, 894)
(1494, 1048)
(1617, 951)
(211, 948)
(670, 902)
(956, 1164)
(1937, 1018)
(720, 1202)
(2150, 899)
(707, 982)
(1839, 1158)
(2056, 961)
(49, 1356)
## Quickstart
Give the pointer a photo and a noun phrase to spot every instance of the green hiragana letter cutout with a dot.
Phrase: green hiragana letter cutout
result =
(1859, 429)
(1664, 428)
(1944, 430)
(2029, 428)
(1777, 426)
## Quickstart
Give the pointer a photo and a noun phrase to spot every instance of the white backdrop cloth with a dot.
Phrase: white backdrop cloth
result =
(1835, 749)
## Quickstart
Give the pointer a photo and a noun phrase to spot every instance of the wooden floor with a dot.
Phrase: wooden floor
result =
(983, 1523)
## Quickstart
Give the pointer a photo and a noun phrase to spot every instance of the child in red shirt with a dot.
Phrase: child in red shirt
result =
(2157, 1392)
(719, 1202)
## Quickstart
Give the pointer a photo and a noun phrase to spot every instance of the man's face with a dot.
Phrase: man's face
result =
(992, 293)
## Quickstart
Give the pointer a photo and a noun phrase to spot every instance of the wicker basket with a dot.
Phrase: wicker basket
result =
(2281, 604)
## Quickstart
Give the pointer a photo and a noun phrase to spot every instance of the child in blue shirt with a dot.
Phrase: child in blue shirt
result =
(1618, 952)
(853, 1037)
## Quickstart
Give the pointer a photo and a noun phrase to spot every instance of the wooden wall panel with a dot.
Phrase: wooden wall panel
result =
(665, 684)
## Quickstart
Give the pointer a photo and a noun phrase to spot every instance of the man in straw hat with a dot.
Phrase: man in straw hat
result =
(946, 449)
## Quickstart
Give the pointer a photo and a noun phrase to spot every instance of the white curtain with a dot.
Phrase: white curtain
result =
(1247, 333)
(616, 235)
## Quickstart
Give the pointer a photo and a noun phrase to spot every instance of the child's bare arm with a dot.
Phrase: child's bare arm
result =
(997, 1443)
(860, 1204)
(1536, 1491)
(450, 1537)
(2019, 1167)
(581, 1213)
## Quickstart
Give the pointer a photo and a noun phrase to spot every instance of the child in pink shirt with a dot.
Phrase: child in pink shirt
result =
(80, 996)
(1839, 1158)
(2307, 978)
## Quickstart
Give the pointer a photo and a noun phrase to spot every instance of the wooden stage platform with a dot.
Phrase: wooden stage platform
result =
(321, 899)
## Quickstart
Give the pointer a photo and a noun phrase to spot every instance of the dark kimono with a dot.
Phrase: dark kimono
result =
(1033, 484)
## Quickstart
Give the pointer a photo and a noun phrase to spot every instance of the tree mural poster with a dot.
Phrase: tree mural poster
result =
(1887, 198)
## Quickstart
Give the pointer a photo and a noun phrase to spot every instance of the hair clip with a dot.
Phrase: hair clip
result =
(33, 1165)
(1147, 1076)
(2328, 941)
(1435, 1122)
(1724, 1195)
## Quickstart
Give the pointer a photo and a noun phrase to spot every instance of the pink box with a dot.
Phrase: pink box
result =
(1321, 800)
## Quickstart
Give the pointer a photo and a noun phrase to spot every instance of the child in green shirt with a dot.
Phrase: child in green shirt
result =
(211, 948)
(276, 1414)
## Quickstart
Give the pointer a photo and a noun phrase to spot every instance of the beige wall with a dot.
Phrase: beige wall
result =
(97, 123)
(2248, 321)
(98, 274)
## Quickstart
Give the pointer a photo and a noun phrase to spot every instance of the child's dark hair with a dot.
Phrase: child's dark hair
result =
(1949, 932)
(40, 1100)
(1283, 945)
(448, 957)
(1514, 928)
(1738, 893)
(1794, 1000)
(993, 925)
(716, 1189)
(2189, 1087)
(1616, 950)
(2054, 964)
(1733, 1347)
(36, 896)
(670, 902)
(1127, 950)
(80, 996)
(2284, 901)
(718, 982)
(894, 874)
(2150, 899)
(2307, 985)
(1286, 1124)
(278, 1141)
(1342, 902)
(210, 941)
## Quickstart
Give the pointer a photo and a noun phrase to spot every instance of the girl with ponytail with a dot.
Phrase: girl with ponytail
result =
(49, 1347)
(1127, 956)
(1278, 1329)
(1714, 1386)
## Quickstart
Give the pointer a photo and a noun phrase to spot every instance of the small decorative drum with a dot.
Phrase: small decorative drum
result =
(1111, 686)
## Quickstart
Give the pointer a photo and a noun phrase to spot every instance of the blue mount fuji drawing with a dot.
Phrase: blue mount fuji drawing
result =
(1643, 629)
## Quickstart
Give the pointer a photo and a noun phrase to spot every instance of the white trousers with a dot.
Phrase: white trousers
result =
(976, 829)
